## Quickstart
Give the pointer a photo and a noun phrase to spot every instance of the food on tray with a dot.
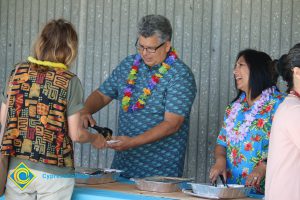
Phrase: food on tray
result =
(94, 176)
(160, 183)
(220, 191)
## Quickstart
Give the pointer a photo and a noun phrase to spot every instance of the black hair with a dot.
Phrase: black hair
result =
(261, 76)
(286, 63)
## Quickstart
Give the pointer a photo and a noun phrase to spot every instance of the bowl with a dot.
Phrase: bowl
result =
(220, 191)
(94, 176)
(161, 184)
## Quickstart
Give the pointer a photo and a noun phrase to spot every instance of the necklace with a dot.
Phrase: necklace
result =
(235, 134)
(47, 63)
(147, 91)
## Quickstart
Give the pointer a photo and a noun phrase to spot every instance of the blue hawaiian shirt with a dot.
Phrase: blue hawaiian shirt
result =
(174, 93)
(243, 155)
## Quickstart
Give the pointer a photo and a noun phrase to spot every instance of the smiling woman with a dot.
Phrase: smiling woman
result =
(241, 74)
(243, 141)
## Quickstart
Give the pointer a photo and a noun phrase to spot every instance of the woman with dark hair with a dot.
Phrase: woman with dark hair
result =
(242, 144)
(43, 118)
(283, 179)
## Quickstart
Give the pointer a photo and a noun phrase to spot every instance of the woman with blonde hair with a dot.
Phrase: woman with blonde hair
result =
(43, 118)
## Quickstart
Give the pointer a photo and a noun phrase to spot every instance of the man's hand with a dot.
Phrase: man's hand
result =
(99, 141)
(124, 143)
(95, 102)
(86, 118)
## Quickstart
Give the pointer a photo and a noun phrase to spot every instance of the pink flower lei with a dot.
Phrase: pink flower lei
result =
(235, 135)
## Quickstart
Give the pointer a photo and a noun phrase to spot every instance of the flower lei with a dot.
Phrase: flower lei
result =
(47, 63)
(236, 135)
(132, 76)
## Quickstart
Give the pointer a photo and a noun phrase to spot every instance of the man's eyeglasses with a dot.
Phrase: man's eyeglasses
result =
(140, 48)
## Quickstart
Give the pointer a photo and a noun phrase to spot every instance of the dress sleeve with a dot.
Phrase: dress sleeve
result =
(221, 140)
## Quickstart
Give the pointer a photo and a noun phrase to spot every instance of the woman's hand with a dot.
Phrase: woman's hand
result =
(256, 176)
(218, 168)
(220, 165)
(98, 141)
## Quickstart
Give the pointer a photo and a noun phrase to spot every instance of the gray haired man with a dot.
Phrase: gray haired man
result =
(156, 91)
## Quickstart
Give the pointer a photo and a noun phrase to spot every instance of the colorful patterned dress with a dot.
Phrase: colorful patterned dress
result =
(245, 150)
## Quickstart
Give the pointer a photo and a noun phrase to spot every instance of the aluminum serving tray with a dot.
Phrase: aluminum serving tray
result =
(221, 191)
(95, 176)
(160, 184)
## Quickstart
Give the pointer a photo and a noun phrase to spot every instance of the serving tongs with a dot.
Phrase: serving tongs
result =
(223, 181)
(106, 132)
(97, 172)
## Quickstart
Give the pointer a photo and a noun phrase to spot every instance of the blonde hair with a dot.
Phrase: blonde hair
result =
(58, 42)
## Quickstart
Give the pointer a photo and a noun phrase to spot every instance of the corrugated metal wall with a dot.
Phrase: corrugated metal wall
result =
(208, 34)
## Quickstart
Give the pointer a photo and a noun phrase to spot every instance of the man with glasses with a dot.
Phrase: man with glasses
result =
(156, 91)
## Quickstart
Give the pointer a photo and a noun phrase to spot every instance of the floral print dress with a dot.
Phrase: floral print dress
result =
(246, 136)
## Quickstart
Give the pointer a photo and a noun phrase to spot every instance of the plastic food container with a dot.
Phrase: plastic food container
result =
(95, 176)
(221, 191)
(160, 184)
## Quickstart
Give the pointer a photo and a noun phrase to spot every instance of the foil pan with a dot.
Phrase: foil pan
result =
(94, 176)
(160, 184)
(220, 191)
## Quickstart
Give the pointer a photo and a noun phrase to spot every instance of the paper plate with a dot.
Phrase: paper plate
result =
(190, 192)
(112, 141)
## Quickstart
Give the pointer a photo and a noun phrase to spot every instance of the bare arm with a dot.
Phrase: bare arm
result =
(220, 153)
(94, 103)
(170, 125)
(78, 133)
(220, 166)
(3, 109)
